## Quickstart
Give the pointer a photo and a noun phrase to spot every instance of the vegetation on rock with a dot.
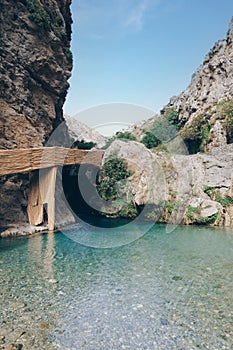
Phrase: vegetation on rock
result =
(225, 112)
(207, 220)
(111, 187)
(196, 134)
(125, 136)
(191, 211)
(46, 19)
(164, 129)
(214, 195)
(120, 135)
(84, 145)
(150, 140)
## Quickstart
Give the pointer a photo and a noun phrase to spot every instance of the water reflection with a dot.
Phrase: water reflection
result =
(49, 256)
(41, 253)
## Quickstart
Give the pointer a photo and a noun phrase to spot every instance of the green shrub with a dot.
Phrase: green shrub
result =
(37, 14)
(113, 171)
(172, 116)
(209, 190)
(196, 135)
(150, 140)
(46, 18)
(83, 145)
(216, 196)
(225, 112)
(224, 201)
(170, 206)
(127, 210)
(207, 220)
(191, 211)
(163, 129)
(160, 148)
(126, 135)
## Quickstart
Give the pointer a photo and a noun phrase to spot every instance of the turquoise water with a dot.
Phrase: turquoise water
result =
(162, 291)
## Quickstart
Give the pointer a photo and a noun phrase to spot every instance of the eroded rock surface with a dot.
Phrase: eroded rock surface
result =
(211, 83)
(81, 132)
(35, 64)
(185, 188)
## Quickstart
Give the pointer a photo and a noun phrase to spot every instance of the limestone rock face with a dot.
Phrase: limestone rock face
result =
(184, 188)
(79, 131)
(35, 64)
(211, 83)
(34, 69)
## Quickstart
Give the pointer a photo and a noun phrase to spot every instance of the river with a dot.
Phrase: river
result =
(158, 290)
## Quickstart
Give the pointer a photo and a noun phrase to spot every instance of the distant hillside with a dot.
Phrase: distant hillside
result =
(81, 132)
(204, 111)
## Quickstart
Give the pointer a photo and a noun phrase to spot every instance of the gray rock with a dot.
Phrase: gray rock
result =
(79, 131)
(199, 181)
(211, 83)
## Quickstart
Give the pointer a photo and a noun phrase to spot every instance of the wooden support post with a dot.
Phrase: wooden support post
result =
(42, 191)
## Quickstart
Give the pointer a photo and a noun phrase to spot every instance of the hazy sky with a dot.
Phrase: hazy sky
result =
(139, 52)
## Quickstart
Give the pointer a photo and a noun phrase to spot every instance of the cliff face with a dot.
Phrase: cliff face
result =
(211, 83)
(35, 65)
(81, 132)
(204, 111)
(179, 189)
(207, 103)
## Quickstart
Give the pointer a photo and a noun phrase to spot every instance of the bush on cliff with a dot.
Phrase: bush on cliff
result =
(225, 112)
(111, 187)
(196, 134)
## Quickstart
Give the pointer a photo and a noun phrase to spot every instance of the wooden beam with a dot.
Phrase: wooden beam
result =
(42, 191)
(25, 160)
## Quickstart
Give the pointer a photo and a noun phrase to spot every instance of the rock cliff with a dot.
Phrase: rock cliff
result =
(81, 132)
(179, 189)
(35, 64)
(205, 109)
(211, 83)
(186, 174)
(207, 102)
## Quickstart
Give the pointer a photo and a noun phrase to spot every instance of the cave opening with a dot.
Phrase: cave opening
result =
(79, 186)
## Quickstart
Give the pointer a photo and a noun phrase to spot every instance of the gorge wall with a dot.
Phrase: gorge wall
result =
(204, 110)
(35, 65)
(176, 188)
(210, 84)
(186, 174)
(207, 103)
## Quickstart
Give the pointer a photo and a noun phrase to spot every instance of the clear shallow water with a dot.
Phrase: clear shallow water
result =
(163, 291)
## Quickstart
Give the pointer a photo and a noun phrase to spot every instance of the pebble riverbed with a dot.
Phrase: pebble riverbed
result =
(162, 291)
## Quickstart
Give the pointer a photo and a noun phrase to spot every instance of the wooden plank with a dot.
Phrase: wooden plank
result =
(42, 191)
(24, 160)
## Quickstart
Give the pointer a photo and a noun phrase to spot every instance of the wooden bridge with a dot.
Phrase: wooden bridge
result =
(42, 164)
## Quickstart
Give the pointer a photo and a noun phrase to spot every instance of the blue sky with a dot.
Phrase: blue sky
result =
(140, 52)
